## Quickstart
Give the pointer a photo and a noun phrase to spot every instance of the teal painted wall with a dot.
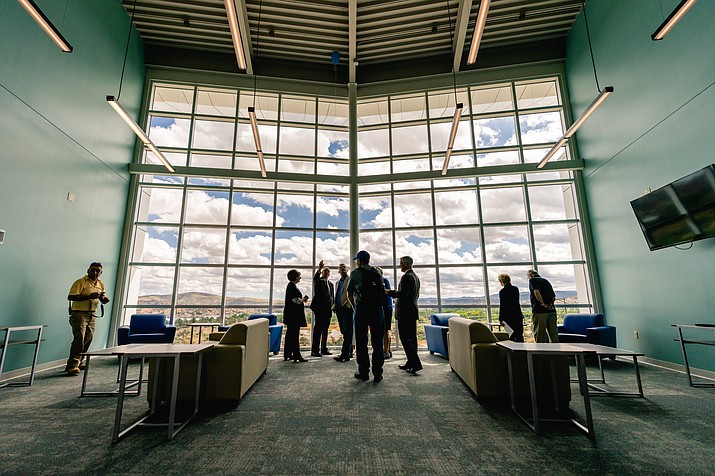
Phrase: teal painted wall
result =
(59, 136)
(657, 127)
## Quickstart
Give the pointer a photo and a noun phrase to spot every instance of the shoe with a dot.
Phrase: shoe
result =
(299, 359)
(404, 367)
(326, 352)
(340, 358)
(73, 371)
(377, 378)
(414, 370)
(285, 359)
(316, 354)
(362, 377)
(82, 366)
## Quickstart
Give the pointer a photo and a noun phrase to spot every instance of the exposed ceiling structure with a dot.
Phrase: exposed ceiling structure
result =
(376, 39)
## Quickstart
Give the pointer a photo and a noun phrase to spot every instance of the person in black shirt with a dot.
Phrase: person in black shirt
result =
(293, 318)
(542, 306)
(510, 309)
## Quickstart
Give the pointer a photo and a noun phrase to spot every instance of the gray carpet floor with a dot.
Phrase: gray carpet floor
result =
(316, 419)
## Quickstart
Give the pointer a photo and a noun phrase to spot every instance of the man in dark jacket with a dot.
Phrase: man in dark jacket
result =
(510, 308)
(407, 313)
(322, 307)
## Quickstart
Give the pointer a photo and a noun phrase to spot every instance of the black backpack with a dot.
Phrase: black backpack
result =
(373, 289)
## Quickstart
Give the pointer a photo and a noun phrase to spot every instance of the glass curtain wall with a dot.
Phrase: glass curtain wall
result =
(213, 248)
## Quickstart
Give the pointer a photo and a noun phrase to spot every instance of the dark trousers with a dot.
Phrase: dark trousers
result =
(372, 320)
(82, 332)
(291, 346)
(518, 328)
(408, 336)
(345, 320)
(320, 331)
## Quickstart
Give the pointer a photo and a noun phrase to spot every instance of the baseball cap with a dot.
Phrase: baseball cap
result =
(362, 255)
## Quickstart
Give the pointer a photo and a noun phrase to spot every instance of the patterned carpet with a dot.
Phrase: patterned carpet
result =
(316, 419)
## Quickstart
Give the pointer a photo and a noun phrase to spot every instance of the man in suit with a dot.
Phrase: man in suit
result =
(407, 313)
(344, 313)
(322, 307)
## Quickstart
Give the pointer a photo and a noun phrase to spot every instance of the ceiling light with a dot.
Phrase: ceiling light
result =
(257, 140)
(672, 19)
(452, 136)
(138, 131)
(574, 127)
(478, 31)
(46, 25)
(235, 33)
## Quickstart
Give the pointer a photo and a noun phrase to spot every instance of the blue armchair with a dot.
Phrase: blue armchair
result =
(146, 329)
(436, 333)
(274, 329)
(587, 329)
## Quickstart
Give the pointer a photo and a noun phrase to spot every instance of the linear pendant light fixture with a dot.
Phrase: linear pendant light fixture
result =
(574, 127)
(478, 31)
(46, 25)
(257, 139)
(672, 19)
(138, 131)
(452, 136)
(235, 33)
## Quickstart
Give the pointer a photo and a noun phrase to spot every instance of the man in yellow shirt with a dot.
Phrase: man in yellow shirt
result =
(85, 294)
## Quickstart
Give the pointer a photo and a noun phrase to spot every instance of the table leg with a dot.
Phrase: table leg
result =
(583, 388)
(84, 377)
(174, 392)
(120, 397)
(198, 383)
(638, 376)
(532, 389)
(511, 381)
(685, 357)
(191, 340)
(37, 352)
(6, 342)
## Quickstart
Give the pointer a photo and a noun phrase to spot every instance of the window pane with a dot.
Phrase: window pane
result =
(372, 112)
(456, 161)
(413, 209)
(503, 204)
(215, 135)
(294, 211)
(552, 202)
(216, 102)
(461, 286)
(248, 286)
(297, 141)
(379, 245)
(160, 205)
(492, 100)
(459, 246)
(332, 212)
(204, 246)
(267, 134)
(155, 244)
(172, 99)
(250, 247)
(494, 132)
(333, 113)
(374, 168)
(334, 248)
(298, 109)
(518, 279)
(373, 143)
(537, 95)
(456, 207)
(252, 209)
(169, 131)
(335, 169)
(535, 155)
(296, 166)
(375, 212)
(498, 158)
(150, 285)
(541, 127)
(211, 162)
(416, 243)
(410, 165)
(266, 105)
(202, 284)
(505, 244)
(440, 136)
(206, 207)
(409, 140)
(174, 158)
(333, 144)
(570, 282)
(294, 248)
(558, 242)
(443, 104)
(408, 108)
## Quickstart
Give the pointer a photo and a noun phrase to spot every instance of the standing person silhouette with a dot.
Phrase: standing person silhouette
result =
(510, 309)
(407, 314)
(344, 311)
(322, 307)
(542, 297)
(293, 317)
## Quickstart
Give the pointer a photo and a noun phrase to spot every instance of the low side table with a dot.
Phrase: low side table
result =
(605, 351)
(8, 341)
(111, 351)
(703, 341)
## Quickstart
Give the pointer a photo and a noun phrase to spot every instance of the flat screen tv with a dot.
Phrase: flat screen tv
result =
(680, 212)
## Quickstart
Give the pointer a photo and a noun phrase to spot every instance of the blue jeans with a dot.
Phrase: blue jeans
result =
(374, 320)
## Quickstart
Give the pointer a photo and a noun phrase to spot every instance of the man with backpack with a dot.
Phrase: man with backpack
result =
(366, 292)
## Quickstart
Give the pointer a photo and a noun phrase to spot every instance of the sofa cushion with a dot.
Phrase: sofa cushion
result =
(578, 323)
(442, 318)
(479, 333)
(272, 318)
(147, 323)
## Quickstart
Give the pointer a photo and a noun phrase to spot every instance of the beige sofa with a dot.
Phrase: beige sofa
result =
(229, 369)
(482, 365)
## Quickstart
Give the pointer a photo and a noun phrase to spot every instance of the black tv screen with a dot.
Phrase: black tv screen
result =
(680, 212)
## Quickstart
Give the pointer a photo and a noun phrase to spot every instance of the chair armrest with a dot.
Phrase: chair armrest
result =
(170, 332)
(560, 329)
(602, 335)
(501, 335)
(122, 335)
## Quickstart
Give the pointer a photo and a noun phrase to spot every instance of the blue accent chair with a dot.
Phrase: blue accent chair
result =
(274, 329)
(146, 329)
(436, 333)
(587, 329)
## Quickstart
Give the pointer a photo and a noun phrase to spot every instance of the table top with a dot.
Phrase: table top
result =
(605, 350)
(152, 349)
(545, 347)
(710, 327)
(22, 328)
